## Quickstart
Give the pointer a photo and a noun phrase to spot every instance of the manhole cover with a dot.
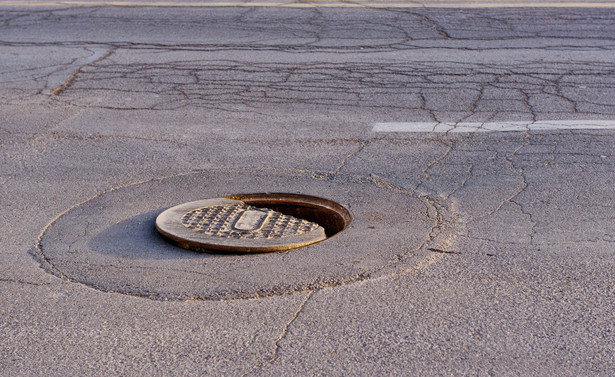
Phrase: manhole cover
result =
(235, 225)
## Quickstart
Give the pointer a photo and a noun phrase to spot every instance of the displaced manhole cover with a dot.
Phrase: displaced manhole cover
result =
(111, 243)
(235, 225)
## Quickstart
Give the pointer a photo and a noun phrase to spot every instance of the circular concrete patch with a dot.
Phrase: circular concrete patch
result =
(110, 241)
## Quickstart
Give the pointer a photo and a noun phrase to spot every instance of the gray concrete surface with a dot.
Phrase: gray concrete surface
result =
(504, 264)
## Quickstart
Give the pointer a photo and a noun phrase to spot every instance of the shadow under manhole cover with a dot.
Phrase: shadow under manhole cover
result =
(111, 243)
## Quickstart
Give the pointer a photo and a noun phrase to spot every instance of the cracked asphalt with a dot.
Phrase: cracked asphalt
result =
(504, 264)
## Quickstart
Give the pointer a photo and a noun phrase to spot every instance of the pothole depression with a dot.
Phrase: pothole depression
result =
(111, 243)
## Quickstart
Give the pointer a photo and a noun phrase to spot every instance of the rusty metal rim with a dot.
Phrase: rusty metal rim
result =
(338, 216)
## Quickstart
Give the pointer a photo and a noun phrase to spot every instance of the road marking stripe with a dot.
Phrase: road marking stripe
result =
(319, 4)
(465, 127)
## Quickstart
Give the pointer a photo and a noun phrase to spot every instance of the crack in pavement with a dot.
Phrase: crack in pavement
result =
(16, 281)
(226, 84)
(79, 70)
(352, 154)
(275, 352)
(285, 329)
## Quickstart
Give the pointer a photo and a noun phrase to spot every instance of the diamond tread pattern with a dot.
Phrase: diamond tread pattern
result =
(218, 221)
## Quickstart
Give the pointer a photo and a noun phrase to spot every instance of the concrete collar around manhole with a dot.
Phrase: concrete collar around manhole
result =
(261, 222)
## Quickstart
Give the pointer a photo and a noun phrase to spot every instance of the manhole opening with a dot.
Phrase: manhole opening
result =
(332, 216)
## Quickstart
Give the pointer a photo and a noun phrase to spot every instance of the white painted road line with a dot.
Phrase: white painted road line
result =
(317, 4)
(466, 127)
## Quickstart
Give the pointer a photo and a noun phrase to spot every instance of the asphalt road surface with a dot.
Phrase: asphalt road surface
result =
(473, 146)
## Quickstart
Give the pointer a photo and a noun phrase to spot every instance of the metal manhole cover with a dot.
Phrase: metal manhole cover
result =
(232, 225)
